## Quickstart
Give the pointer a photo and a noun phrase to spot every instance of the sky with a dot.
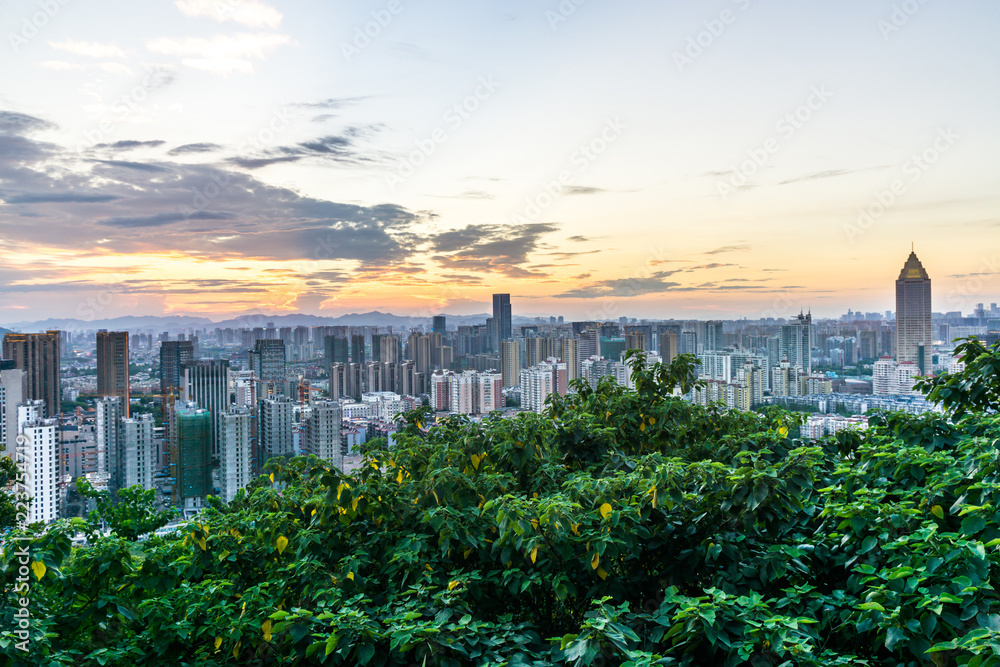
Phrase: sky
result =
(594, 159)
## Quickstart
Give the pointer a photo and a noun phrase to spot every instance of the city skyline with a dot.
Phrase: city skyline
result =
(212, 158)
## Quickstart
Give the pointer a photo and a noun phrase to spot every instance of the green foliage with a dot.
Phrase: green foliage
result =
(621, 527)
(974, 390)
(130, 516)
(8, 502)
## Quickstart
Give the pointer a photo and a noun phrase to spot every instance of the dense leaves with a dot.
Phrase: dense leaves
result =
(622, 527)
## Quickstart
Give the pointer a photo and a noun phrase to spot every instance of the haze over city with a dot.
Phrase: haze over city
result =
(593, 159)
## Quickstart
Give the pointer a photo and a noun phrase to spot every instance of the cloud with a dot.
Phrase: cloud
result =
(829, 173)
(221, 54)
(713, 265)
(160, 219)
(59, 198)
(727, 249)
(257, 163)
(128, 144)
(583, 190)
(332, 103)
(491, 248)
(140, 166)
(330, 148)
(89, 49)
(14, 123)
(194, 148)
(247, 12)
(654, 283)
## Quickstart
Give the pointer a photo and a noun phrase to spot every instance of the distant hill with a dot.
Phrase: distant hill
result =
(249, 320)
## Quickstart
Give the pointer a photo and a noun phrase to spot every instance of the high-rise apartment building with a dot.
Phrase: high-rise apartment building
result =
(191, 458)
(112, 365)
(668, 346)
(438, 325)
(538, 382)
(502, 316)
(37, 354)
(235, 451)
(510, 363)
(40, 463)
(276, 437)
(795, 342)
(569, 354)
(136, 456)
(321, 432)
(13, 388)
(914, 339)
(110, 411)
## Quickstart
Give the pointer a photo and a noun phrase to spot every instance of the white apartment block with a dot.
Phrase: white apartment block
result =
(41, 463)
(235, 453)
(137, 452)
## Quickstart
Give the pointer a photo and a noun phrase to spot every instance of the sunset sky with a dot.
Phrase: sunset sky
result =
(592, 158)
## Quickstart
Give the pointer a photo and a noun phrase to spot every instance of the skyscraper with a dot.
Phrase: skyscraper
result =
(510, 363)
(174, 354)
(13, 387)
(112, 365)
(795, 342)
(267, 360)
(438, 324)
(501, 316)
(206, 382)
(191, 460)
(37, 354)
(914, 340)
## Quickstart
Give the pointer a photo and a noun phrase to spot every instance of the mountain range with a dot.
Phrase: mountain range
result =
(173, 323)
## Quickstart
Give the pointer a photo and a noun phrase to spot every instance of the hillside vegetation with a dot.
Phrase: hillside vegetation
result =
(623, 527)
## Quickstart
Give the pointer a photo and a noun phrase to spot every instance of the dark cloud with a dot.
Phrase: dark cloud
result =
(129, 144)
(654, 283)
(578, 239)
(713, 265)
(159, 219)
(491, 248)
(257, 163)
(14, 123)
(194, 148)
(139, 166)
(58, 198)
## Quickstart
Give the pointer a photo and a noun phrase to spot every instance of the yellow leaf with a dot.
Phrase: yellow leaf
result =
(467, 553)
(575, 527)
(38, 567)
(436, 496)
(340, 488)
(313, 513)
(642, 427)
(783, 431)
(272, 477)
(605, 510)
(656, 502)
(595, 562)
(266, 627)
(354, 503)
(282, 544)
(399, 477)
(236, 649)
(452, 585)
(602, 574)
(652, 421)
(534, 554)
(350, 575)
(475, 461)
(937, 511)
(218, 643)
(534, 524)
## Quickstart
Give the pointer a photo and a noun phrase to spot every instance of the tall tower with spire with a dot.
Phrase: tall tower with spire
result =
(914, 340)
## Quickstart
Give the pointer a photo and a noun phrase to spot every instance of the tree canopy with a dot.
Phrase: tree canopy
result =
(621, 527)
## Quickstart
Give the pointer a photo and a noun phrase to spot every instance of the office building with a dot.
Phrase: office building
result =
(795, 342)
(112, 365)
(502, 316)
(206, 382)
(914, 340)
(267, 360)
(38, 355)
